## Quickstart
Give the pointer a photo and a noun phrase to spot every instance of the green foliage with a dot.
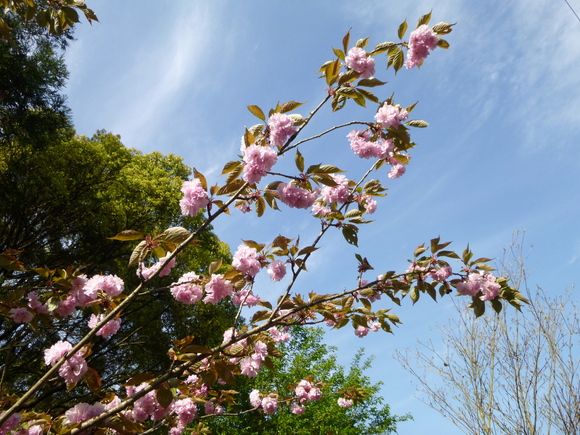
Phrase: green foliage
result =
(324, 417)
(32, 75)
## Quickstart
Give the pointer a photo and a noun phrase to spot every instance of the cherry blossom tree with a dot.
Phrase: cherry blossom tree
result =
(200, 383)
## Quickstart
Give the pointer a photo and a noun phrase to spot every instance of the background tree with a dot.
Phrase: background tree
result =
(515, 372)
(32, 76)
(62, 196)
(324, 416)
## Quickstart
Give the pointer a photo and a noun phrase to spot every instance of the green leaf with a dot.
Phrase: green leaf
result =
(382, 47)
(299, 160)
(338, 53)
(71, 15)
(396, 59)
(139, 253)
(362, 43)
(289, 106)
(370, 83)
(419, 250)
(353, 213)
(443, 28)
(368, 95)
(348, 92)
(260, 206)
(350, 233)
(424, 19)
(323, 179)
(443, 43)
(174, 234)
(402, 29)
(307, 250)
(414, 294)
(128, 235)
(257, 112)
(231, 187)
(328, 169)
(496, 305)
(231, 166)
(350, 76)
(419, 123)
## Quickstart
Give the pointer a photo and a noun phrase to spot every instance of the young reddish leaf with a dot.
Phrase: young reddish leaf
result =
(346, 41)
(164, 396)
(200, 177)
(139, 379)
(290, 106)
(93, 380)
(214, 266)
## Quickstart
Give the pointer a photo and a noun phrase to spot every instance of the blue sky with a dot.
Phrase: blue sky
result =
(501, 152)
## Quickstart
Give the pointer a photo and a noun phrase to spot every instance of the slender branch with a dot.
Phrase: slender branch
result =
(336, 127)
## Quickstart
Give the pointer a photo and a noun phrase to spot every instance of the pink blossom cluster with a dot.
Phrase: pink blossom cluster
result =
(185, 410)
(365, 148)
(441, 274)
(398, 169)
(147, 272)
(186, 290)
(306, 392)
(368, 203)
(21, 315)
(277, 270)
(259, 160)
(319, 209)
(246, 298)
(296, 197)
(336, 194)
(344, 403)
(10, 424)
(147, 406)
(72, 369)
(82, 412)
(279, 336)
(362, 331)
(421, 41)
(358, 60)
(483, 282)
(268, 403)
(251, 365)
(281, 127)
(77, 297)
(108, 329)
(194, 197)
(391, 116)
(246, 260)
(217, 289)
(112, 285)
(213, 409)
